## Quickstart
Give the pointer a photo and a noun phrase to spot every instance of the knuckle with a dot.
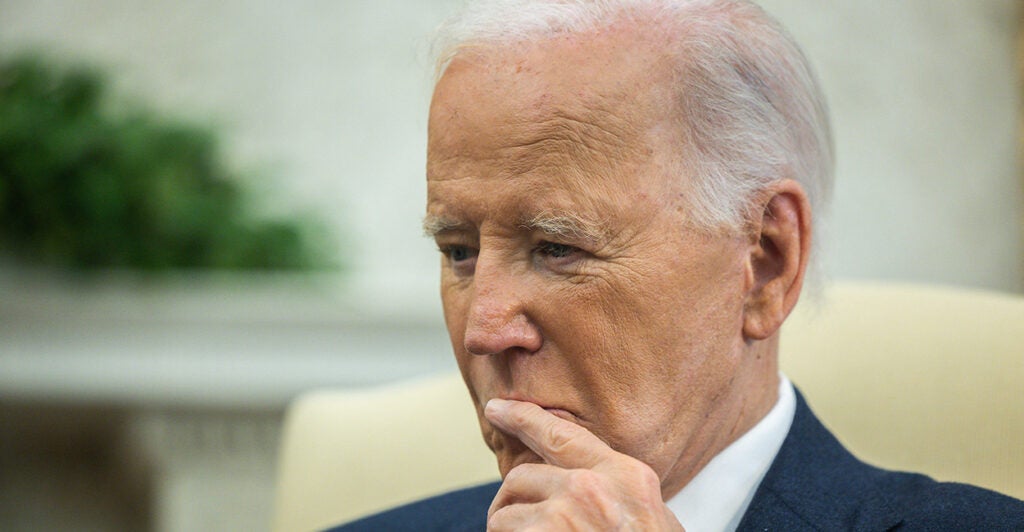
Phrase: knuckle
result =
(645, 484)
(499, 502)
(518, 473)
(585, 486)
(644, 475)
(514, 475)
(641, 480)
(589, 493)
(558, 437)
(558, 511)
(497, 520)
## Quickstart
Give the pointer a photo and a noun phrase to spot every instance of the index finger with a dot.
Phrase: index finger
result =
(558, 442)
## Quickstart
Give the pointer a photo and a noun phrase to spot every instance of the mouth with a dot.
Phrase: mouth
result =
(563, 414)
(558, 412)
(512, 452)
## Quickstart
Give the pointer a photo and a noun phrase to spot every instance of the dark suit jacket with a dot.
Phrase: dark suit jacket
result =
(813, 484)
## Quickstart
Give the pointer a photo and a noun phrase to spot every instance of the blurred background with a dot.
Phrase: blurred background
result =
(210, 207)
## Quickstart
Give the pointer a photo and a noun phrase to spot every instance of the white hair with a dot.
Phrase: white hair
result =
(749, 105)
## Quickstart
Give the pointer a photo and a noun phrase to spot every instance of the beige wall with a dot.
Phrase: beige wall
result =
(331, 96)
(925, 100)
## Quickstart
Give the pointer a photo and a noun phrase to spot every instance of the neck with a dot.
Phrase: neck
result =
(747, 399)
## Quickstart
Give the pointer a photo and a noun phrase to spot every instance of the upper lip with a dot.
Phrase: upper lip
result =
(543, 404)
(525, 398)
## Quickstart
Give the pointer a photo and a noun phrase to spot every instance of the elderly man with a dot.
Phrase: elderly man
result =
(622, 193)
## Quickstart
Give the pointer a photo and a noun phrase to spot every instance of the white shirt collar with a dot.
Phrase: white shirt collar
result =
(716, 499)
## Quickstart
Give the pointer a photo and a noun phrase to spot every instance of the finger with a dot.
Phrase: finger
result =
(557, 441)
(513, 517)
(527, 483)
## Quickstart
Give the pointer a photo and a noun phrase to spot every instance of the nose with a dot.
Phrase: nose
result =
(498, 320)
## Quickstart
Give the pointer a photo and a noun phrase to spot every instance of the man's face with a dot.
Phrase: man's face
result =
(570, 278)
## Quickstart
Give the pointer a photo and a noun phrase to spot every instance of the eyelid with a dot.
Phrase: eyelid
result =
(456, 238)
(447, 248)
(581, 245)
(572, 259)
(548, 243)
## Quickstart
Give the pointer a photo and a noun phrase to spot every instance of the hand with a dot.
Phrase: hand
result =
(583, 483)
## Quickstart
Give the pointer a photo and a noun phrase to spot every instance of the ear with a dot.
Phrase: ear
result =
(779, 251)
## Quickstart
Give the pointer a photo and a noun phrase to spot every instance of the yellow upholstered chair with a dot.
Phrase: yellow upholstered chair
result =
(908, 377)
(350, 453)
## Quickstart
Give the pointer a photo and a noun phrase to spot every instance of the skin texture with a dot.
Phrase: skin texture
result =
(623, 348)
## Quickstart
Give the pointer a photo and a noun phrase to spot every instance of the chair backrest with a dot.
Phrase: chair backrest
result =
(909, 377)
(347, 453)
(917, 378)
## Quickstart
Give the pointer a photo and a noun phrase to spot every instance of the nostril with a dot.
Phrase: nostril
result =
(475, 343)
(477, 348)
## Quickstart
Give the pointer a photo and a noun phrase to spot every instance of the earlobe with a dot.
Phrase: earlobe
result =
(778, 258)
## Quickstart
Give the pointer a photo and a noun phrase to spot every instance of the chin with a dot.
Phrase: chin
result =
(510, 452)
(509, 461)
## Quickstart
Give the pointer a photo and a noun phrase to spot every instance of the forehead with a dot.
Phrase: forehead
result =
(577, 114)
(602, 87)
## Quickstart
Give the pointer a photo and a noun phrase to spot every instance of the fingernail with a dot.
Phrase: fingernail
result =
(496, 406)
(495, 411)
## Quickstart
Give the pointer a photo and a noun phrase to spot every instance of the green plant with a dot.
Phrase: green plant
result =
(86, 184)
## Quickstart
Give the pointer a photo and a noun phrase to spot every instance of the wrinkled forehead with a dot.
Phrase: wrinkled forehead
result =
(607, 89)
(574, 125)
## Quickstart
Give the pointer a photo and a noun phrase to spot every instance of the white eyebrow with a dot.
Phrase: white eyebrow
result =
(565, 225)
(560, 224)
(434, 224)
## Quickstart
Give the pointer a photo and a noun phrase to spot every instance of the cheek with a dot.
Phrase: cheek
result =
(595, 338)
(455, 316)
(652, 339)
(456, 311)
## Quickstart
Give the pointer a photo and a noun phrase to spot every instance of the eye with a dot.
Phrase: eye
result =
(459, 253)
(555, 250)
(456, 253)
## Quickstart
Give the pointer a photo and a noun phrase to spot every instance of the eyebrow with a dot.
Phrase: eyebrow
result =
(434, 225)
(556, 224)
(565, 225)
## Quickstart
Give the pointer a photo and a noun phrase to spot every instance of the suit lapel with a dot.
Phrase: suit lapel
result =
(816, 484)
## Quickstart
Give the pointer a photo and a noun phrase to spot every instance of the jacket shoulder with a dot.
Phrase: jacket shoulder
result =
(816, 484)
(925, 504)
(461, 510)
